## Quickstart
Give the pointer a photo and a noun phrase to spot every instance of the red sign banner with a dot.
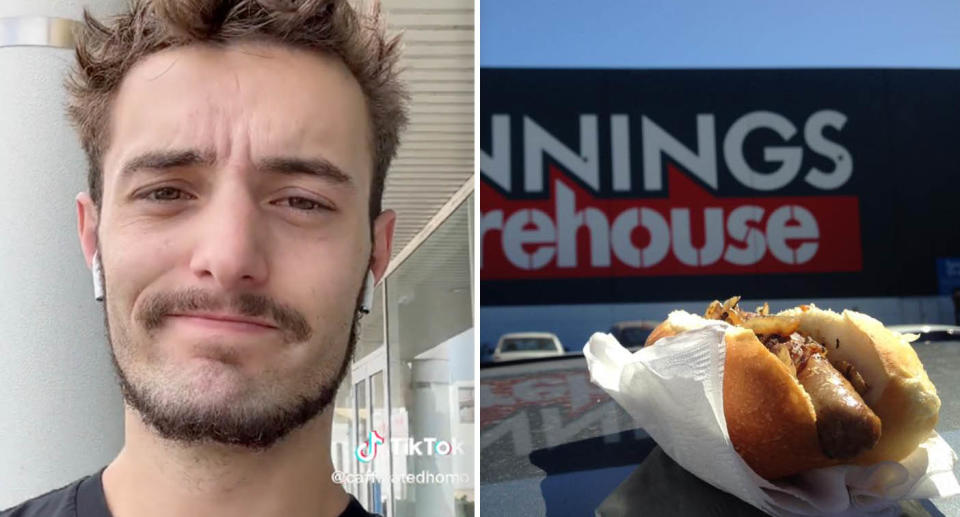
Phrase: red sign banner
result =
(574, 233)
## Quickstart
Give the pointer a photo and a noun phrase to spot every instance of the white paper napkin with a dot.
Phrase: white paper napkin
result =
(675, 392)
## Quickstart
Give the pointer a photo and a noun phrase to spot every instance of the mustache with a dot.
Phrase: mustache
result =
(289, 321)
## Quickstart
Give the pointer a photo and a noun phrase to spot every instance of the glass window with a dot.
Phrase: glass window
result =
(342, 432)
(371, 327)
(634, 336)
(354, 417)
(466, 405)
(528, 345)
(431, 354)
(378, 423)
(362, 417)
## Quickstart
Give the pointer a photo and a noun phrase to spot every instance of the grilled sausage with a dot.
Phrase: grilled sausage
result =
(846, 426)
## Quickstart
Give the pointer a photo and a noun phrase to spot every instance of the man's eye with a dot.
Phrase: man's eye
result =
(305, 204)
(165, 194)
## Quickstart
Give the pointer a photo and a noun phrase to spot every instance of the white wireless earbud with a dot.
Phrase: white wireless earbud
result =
(368, 287)
(97, 271)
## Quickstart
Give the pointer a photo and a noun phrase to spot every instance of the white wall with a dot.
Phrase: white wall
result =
(60, 412)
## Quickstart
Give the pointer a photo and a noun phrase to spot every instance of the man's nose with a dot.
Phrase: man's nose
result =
(229, 247)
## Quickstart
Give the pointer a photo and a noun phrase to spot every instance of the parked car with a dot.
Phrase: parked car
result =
(632, 334)
(527, 345)
(929, 333)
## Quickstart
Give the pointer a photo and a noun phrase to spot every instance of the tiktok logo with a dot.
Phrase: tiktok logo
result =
(368, 450)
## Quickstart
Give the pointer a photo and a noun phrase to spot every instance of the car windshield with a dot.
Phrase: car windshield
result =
(528, 344)
(633, 336)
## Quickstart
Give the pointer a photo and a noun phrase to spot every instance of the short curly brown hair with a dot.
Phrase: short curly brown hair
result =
(106, 52)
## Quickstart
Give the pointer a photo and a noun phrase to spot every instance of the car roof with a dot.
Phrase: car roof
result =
(645, 324)
(921, 328)
(528, 334)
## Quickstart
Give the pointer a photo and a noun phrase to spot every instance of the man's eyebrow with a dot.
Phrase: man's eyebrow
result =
(319, 167)
(168, 160)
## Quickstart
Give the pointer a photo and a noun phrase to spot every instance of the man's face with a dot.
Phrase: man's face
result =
(236, 186)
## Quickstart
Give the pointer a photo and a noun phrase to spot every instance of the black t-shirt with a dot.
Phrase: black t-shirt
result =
(84, 498)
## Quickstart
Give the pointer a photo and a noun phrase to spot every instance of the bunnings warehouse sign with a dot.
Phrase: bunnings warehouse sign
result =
(637, 185)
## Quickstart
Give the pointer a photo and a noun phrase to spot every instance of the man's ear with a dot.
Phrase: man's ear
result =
(87, 218)
(382, 242)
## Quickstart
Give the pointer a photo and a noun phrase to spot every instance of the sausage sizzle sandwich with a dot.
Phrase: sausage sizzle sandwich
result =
(808, 388)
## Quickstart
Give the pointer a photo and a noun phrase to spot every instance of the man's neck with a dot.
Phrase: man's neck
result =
(153, 477)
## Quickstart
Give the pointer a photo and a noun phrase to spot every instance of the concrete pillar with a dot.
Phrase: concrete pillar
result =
(60, 410)
(431, 394)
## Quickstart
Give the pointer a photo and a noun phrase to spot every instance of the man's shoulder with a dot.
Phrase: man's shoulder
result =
(60, 502)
